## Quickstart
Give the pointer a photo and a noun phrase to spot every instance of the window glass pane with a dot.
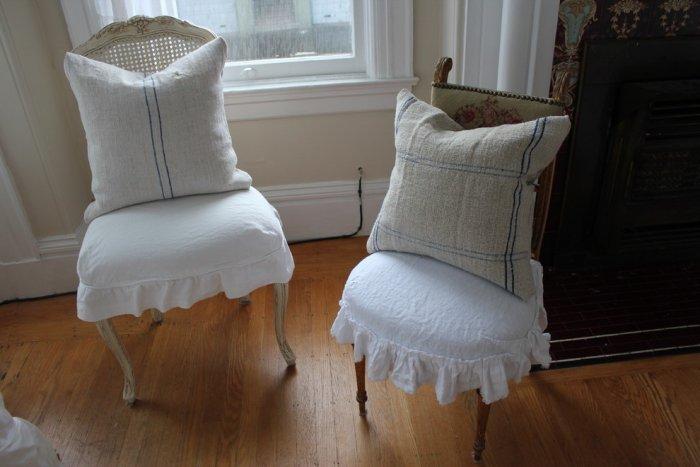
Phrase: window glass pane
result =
(269, 29)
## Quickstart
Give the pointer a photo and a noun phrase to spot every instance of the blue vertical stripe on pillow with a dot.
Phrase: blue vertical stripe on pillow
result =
(404, 106)
(162, 145)
(153, 143)
(517, 199)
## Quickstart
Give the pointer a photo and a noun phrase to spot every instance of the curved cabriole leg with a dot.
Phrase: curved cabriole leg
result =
(482, 418)
(112, 340)
(281, 293)
(361, 396)
(244, 300)
(157, 316)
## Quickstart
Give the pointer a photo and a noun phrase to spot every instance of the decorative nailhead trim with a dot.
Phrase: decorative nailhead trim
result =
(542, 100)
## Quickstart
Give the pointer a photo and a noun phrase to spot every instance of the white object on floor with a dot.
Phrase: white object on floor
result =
(173, 253)
(22, 444)
(419, 321)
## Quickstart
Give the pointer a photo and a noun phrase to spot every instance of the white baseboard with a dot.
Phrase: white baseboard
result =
(308, 211)
(326, 209)
(53, 272)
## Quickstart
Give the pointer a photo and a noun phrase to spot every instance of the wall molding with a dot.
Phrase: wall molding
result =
(58, 245)
(308, 211)
(16, 236)
(52, 272)
(325, 209)
(41, 149)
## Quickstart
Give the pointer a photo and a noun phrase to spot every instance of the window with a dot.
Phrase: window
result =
(287, 57)
(283, 38)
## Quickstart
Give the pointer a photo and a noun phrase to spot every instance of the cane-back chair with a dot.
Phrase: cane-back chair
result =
(147, 45)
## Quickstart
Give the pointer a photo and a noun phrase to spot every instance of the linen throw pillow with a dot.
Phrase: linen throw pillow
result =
(158, 136)
(466, 197)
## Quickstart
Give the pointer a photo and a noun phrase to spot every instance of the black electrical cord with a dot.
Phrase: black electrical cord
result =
(359, 227)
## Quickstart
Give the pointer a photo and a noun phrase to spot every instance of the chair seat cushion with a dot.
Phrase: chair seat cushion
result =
(173, 253)
(420, 321)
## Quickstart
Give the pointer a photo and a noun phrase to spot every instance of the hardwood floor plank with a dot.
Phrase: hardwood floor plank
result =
(682, 406)
(213, 389)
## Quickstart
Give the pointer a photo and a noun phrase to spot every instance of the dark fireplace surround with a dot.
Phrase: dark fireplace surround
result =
(632, 186)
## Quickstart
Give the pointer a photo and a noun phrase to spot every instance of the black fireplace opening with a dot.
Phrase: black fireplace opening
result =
(649, 205)
(632, 193)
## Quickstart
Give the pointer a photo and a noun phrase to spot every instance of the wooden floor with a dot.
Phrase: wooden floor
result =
(212, 388)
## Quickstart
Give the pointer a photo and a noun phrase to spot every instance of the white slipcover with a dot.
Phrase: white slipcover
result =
(173, 253)
(420, 321)
(22, 444)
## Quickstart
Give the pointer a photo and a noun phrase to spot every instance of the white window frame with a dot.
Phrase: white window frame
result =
(383, 66)
(242, 72)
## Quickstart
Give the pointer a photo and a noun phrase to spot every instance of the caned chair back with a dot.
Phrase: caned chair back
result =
(143, 44)
(475, 107)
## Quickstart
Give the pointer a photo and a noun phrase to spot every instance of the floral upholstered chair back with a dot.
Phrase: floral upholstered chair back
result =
(476, 108)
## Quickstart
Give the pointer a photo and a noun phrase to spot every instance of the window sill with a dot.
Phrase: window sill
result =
(284, 98)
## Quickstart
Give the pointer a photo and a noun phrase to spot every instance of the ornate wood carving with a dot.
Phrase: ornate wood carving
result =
(164, 39)
(442, 69)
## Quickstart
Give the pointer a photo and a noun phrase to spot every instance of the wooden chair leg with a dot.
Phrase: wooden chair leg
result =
(361, 396)
(482, 417)
(244, 300)
(281, 294)
(114, 344)
(157, 316)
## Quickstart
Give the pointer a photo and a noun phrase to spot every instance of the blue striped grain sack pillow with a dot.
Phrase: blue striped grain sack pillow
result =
(466, 197)
(155, 137)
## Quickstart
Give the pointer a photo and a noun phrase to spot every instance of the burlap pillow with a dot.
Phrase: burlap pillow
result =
(158, 136)
(466, 197)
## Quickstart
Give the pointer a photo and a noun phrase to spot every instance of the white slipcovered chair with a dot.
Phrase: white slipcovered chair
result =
(416, 320)
(173, 253)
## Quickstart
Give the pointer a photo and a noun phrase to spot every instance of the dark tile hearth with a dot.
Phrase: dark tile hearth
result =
(615, 314)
